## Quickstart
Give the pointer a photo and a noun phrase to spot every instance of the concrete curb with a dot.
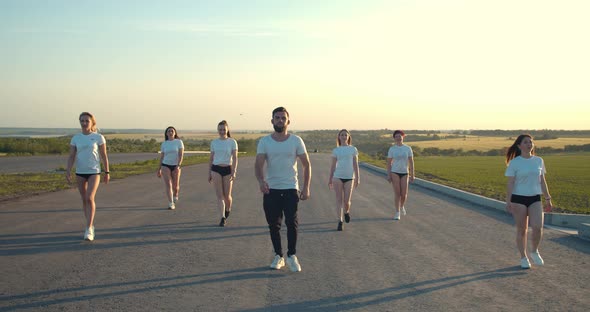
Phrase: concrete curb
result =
(573, 221)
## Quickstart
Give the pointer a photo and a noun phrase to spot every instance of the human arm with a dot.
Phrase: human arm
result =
(411, 168)
(548, 203)
(304, 158)
(259, 172)
(355, 167)
(332, 169)
(71, 159)
(509, 189)
(234, 167)
(389, 163)
(102, 150)
(159, 172)
(211, 157)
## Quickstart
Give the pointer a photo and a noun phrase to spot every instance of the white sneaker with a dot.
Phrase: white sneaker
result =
(396, 216)
(537, 258)
(175, 199)
(403, 210)
(172, 206)
(90, 236)
(524, 263)
(293, 263)
(277, 263)
(86, 234)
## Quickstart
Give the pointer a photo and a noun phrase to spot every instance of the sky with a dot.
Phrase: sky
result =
(355, 64)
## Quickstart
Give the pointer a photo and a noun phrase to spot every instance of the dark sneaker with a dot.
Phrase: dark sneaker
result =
(227, 213)
(347, 217)
(340, 226)
(223, 222)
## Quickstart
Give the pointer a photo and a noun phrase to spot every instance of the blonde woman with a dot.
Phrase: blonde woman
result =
(344, 175)
(87, 150)
(223, 165)
(526, 182)
(172, 153)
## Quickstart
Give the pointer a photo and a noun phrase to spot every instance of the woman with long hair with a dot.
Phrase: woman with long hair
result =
(526, 182)
(344, 175)
(87, 150)
(171, 155)
(400, 172)
(223, 165)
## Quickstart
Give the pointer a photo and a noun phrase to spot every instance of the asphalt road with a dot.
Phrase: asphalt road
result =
(445, 255)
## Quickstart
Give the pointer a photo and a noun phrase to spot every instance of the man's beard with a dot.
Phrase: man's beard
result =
(279, 129)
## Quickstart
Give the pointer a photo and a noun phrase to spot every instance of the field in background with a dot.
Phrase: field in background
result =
(185, 136)
(485, 144)
(568, 177)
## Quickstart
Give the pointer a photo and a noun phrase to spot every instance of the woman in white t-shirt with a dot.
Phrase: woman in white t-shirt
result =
(223, 165)
(171, 154)
(526, 181)
(344, 175)
(400, 171)
(87, 150)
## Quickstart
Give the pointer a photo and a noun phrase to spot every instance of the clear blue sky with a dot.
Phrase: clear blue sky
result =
(366, 64)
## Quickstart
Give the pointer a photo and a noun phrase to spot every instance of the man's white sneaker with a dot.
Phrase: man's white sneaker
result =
(403, 210)
(171, 206)
(396, 216)
(277, 263)
(524, 263)
(293, 263)
(90, 236)
(537, 258)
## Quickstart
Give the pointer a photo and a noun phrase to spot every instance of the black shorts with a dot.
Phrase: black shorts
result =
(171, 167)
(344, 180)
(86, 175)
(223, 171)
(525, 200)
(400, 175)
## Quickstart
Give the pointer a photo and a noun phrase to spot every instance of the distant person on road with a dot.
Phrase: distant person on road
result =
(87, 150)
(526, 182)
(280, 151)
(400, 172)
(344, 175)
(171, 155)
(223, 165)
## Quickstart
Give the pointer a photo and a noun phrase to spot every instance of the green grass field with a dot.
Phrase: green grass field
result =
(568, 177)
(480, 143)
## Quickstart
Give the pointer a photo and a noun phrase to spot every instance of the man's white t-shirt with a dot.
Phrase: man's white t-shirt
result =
(222, 150)
(87, 155)
(344, 160)
(170, 150)
(281, 161)
(527, 173)
(400, 155)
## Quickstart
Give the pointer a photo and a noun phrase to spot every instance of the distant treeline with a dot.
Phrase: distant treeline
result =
(61, 145)
(537, 134)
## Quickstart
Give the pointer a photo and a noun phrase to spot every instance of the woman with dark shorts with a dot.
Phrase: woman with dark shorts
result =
(400, 172)
(526, 182)
(171, 155)
(87, 150)
(344, 175)
(223, 164)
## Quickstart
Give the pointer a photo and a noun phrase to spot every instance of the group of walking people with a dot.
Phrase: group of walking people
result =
(277, 155)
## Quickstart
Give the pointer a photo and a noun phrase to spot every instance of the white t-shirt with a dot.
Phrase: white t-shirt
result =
(222, 150)
(281, 161)
(170, 150)
(400, 155)
(527, 173)
(344, 159)
(87, 155)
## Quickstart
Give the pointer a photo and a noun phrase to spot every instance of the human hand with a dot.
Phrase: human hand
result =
(304, 195)
(264, 188)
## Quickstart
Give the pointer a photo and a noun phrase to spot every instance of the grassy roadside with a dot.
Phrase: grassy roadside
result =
(567, 176)
(26, 184)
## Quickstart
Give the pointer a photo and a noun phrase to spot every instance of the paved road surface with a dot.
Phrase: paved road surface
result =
(445, 255)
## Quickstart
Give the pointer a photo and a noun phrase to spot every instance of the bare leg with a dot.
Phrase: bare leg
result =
(536, 220)
(217, 181)
(347, 195)
(227, 188)
(519, 212)
(87, 189)
(403, 190)
(167, 175)
(396, 183)
(176, 182)
(337, 184)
